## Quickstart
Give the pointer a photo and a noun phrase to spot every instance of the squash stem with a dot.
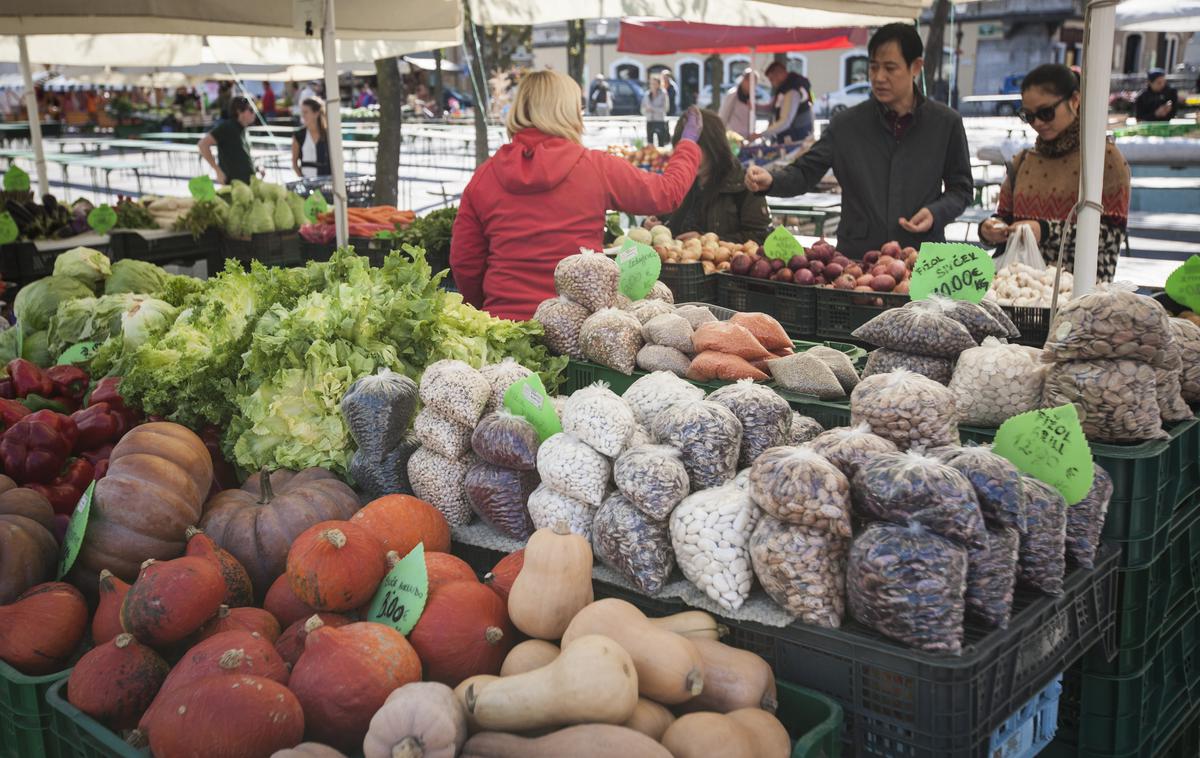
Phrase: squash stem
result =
(409, 747)
(265, 493)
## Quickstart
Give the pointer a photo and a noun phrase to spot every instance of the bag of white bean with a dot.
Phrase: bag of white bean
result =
(921, 330)
(884, 361)
(1168, 389)
(991, 576)
(906, 487)
(710, 533)
(455, 390)
(612, 338)
(441, 482)
(1111, 323)
(507, 440)
(656, 392)
(653, 478)
(648, 310)
(1117, 401)
(695, 314)
(996, 381)
(668, 330)
(631, 543)
(1187, 339)
(547, 508)
(501, 376)
(1085, 519)
(906, 408)
(598, 417)
(498, 496)
(441, 435)
(909, 584)
(998, 484)
(708, 435)
(803, 570)
(799, 487)
(588, 278)
(561, 322)
(1042, 559)
(766, 417)
(660, 291)
(804, 428)
(569, 466)
(848, 447)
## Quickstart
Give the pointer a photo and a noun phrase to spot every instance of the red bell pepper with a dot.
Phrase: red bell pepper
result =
(64, 490)
(101, 453)
(6, 389)
(101, 470)
(98, 424)
(28, 379)
(35, 449)
(107, 391)
(70, 383)
(11, 412)
(224, 474)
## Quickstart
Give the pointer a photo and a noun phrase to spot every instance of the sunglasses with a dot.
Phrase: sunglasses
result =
(1045, 115)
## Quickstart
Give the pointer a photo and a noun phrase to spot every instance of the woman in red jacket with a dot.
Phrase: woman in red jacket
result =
(543, 196)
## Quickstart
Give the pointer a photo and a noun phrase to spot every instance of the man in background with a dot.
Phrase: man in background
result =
(601, 97)
(268, 100)
(233, 159)
(792, 113)
(1159, 101)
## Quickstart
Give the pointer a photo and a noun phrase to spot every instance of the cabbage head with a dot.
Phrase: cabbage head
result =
(242, 195)
(283, 219)
(89, 266)
(145, 317)
(37, 303)
(296, 205)
(259, 220)
(140, 277)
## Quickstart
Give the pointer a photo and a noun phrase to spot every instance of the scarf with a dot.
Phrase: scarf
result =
(1067, 142)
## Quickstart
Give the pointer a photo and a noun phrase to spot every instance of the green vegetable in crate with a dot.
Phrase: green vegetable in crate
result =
(131, 214)
(235, 221)
(34, 347)
(37, 303)
(241, 193)
(259, 221)
(203, 215)
(136, 276)
(295, 204)
(88, 318)
(89, 266)
(283, 218)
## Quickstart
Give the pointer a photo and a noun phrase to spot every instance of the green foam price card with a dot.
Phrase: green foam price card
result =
(8, 228)
(73, 539)
(202, 187)
(1183, 285)
(528, 399)
(640, 267)
(80, 352)
(314, 204)
(401, 596)
(953, 270)
(1049, 445)
(102, 219)
(782, 245)
(16, 180)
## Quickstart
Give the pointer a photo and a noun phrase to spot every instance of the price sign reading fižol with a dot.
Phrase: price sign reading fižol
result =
(202, 187)
(80, 352)
(640, 267)
(953, 270)
(1049, 445)
(527, 398)
(16, 180)
(314, 204)
(400, 599)
(8, 228)
(73, 539)
(782, 245)
(1183, 285)
(102, 219)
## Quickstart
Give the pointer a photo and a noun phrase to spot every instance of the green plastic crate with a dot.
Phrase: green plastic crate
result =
(78, 735)
(813, 721)
(24, 717)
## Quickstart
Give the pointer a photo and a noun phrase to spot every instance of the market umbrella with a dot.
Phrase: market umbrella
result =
(1159, 16)
(809, 14)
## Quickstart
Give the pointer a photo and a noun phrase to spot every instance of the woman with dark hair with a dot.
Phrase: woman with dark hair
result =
(310, 143)
(718, 201)
(1042, 185)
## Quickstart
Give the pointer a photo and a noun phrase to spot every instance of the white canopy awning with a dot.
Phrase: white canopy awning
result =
(810, 14)
(1159, 16)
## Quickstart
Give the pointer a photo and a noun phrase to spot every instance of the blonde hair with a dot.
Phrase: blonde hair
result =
(549, 102)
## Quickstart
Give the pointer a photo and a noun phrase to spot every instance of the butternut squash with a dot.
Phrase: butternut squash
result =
(768, 737)
(584, 741)
(733, 679)
(554, 584)
(527, 656)
(650, 718)
(669, 668)
(592, 681)
(707, 734)
(460, 694)
(692, 624)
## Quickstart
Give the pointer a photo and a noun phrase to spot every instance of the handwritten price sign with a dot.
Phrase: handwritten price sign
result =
(956, 271)
(1183, 285)
(1049, 445)
(640, 267)
(400, 599)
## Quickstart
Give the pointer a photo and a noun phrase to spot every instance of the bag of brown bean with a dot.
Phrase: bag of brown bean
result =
(1111, 323)
(507, 440)
(921, 330)
(561, 321)
(848, 447)
(996, 381)
(998, 484)
(766, 417)
(975, 318)
(588, 278)
(1168, 388)
(995, 311)
(708, 436)
(1042, 558)
(802, 569)
(498, 496)
(653, 478)
(797, 486)
(1085, 519)
(612, 338)
(991, 576)
(909, 584)
(884, 361)
(804, 428)
(1116, 400)
(906, 408)
(632, 544)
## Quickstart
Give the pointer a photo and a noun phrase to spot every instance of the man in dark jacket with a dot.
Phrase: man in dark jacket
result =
(902, 161)
(1159, 101)
(791, 110)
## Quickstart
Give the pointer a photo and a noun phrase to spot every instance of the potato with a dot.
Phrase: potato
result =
(708, 254)
(750, 247)
(709, 268)
(724, 256)
(690, 255)
(723, 266)
(709, 237)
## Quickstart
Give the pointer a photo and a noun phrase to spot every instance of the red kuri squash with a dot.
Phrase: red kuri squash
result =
(290, 644)
(238, 589)
(283, 604)
(504, 573)
(401, 521)
(40, 631)
(115, 682)
(335, 566)
(243, 620)
(463, 631)
(106, 624)
(443, 568)
(171, 599)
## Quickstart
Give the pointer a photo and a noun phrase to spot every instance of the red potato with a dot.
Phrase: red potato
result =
(897, 270)
(883, 283)
(901, 288)
(871, 258)
(891, 248)
(844, 282)
(761, 269)
(782, 275)
(854, 270)
(834, 270)
(864, 280)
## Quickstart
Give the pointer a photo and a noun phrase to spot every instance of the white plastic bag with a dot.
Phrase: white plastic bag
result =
(1022, 248)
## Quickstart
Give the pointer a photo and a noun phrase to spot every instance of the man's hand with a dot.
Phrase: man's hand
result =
(758, 179)
(1163, 110)
(993, 231)
(651, 222)
(921, 222)
(221, 178)
(1034, 226)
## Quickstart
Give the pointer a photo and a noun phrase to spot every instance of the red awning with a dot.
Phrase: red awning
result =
(651, 36)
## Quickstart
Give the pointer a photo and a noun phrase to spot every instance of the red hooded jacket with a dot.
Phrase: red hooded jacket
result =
(540, 199)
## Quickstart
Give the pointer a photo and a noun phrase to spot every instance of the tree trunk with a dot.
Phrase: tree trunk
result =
(716, 68)
(577, 52)
(390, 91)
(934, 46)
(436, 89)
(478, 84)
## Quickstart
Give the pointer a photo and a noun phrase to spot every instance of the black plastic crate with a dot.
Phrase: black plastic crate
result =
(177, 247)
(374, 250)
(840, 312)
(792, 305)
(1034, 324)
(22, 262)
(316, 251)
(360, 189)
(688, 282)
(268, 248)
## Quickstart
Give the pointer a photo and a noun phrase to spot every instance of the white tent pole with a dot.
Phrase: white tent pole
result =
(333, 94)
(1099, 24)
(35, 123)
(753, 91)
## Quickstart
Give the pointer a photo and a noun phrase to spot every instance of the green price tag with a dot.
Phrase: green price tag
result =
(954, 270)
(1183, 285)
(202, 187)
(73, 539)
(8, 228)
(80, 352)
(314, 204)
(401, 596)
(16, 180)
(1049, 445)
(782, 245)
(102, 219)
(528, 398)
(640, 267)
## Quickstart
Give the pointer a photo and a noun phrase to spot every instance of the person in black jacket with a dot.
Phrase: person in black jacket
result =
(310, 143)
(1159, 101)
(902, 160)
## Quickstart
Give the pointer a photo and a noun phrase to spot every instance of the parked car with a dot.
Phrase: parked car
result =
(625, 96)
(837, 101)
(762, 99)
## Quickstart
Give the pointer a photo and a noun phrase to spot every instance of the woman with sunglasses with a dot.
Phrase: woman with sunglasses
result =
(1042, 185)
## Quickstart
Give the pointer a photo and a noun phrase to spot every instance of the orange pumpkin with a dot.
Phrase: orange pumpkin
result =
(401, 521)
(346, 674)
(283, 604)
(335, 566)
(463, 631)
(504, 573)
(238, 589)
(240, 619)
(106, 624)
(443, 568)
(172, 599)
(40, 631)
(115, 682)
(290, 644)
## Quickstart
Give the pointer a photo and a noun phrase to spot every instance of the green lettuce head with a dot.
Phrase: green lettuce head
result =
(283, 219)
(89, 266)
(37, 303)
(139, 277)
(259, 220)
(242, 195)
